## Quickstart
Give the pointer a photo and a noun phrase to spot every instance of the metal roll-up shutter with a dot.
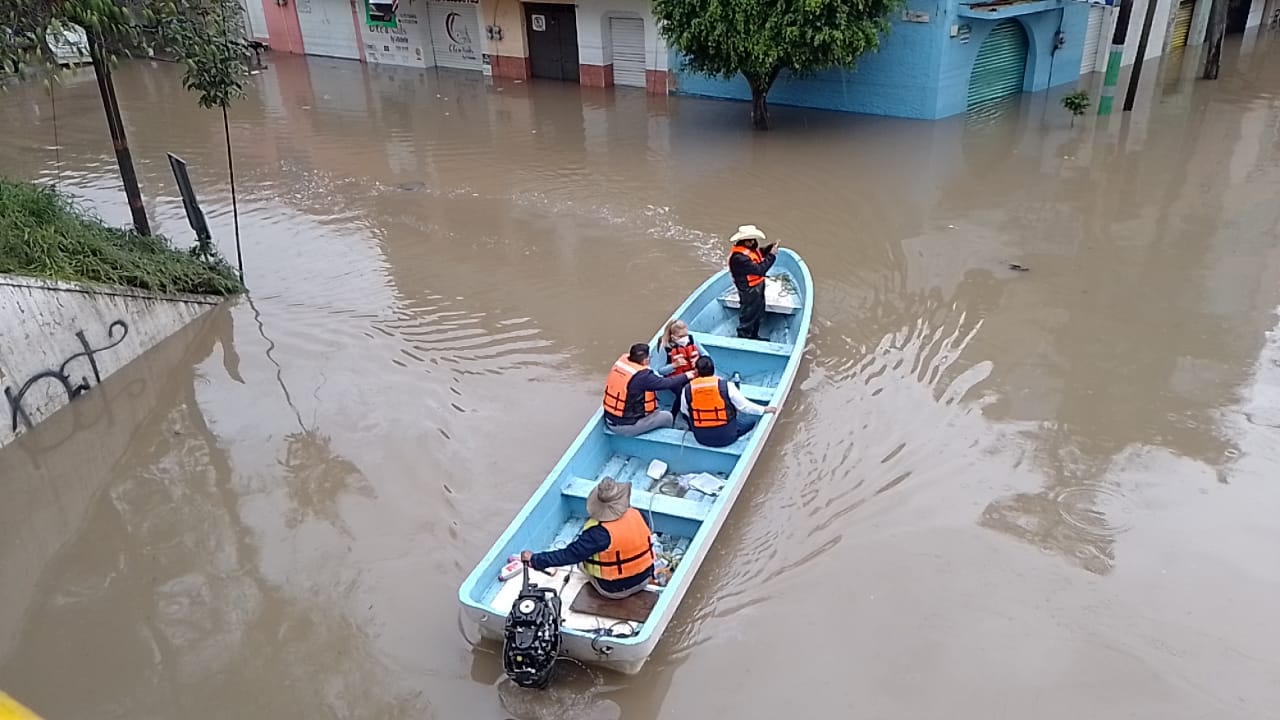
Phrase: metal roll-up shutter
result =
(1182, 24)
(455, 34)
(627, 38)
(1001, 64)
(327, 28)
(1092, 37)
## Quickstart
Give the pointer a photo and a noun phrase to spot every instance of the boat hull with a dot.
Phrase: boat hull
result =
(769, 371)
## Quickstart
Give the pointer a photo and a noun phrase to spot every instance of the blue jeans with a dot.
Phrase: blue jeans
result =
(728, 434)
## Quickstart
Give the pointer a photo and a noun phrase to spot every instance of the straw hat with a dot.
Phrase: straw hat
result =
(745, 232)
(609, 500)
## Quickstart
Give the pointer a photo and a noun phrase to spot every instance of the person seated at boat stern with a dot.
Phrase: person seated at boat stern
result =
(630, 394)
(615, 547)
(748, 265)
(718, 412)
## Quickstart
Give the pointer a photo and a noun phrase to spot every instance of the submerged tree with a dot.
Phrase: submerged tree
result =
(203, 34)
(760, 38)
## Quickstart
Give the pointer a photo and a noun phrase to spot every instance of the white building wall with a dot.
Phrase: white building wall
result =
(408, 45)
(1255, 13)
(42, 356)
(1155, 42)
(255, 19)
(593, 32)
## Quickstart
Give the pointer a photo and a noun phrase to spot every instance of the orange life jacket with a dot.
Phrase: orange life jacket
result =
(618, 401)
(708, 403)
(630, 550)
(683, 357)
(756, 257)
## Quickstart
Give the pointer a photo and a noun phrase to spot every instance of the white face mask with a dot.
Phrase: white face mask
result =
(682, 341)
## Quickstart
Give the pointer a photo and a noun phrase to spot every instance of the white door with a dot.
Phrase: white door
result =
(627, 37)
(256, 18)
(455, 34)
(1092, 40)
(328, 28)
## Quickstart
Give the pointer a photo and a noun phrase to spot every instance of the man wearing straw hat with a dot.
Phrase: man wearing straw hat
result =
(748, 266)
(615, 547)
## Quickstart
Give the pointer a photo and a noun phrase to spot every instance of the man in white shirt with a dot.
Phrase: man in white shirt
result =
(718, 412)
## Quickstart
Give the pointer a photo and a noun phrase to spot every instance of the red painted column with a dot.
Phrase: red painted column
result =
(283, 25)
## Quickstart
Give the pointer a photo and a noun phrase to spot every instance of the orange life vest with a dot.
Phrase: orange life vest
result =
(618, 401)
(708, 402)
(683, 357)
(756, 257)
(630, 550)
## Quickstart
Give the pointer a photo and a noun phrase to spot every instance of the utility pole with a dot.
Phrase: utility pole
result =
(1112, 76)
(107, 88)
(1142, 53)
(1217, 30)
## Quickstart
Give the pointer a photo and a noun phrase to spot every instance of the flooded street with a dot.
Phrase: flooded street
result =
(1048, 493)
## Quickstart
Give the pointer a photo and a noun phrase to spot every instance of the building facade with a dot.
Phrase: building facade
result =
(945, 57)
(940, 58)
(599, 43)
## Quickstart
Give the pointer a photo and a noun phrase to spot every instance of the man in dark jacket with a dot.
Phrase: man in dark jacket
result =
(631, 394)
(748, 265)
(614, 547)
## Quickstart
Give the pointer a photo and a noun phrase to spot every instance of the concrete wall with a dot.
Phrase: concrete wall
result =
(255, 18)
(1045, 67)
(52, 476)
(408, 45)
(595, 52)
(508, 57)
(900, 79)
(282, 26)
(921, 70)
(59, 340)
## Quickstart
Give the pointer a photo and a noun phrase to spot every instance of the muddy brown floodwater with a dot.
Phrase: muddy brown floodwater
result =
(994, 493)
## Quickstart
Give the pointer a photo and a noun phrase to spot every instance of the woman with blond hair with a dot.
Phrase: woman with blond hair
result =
(678, 348)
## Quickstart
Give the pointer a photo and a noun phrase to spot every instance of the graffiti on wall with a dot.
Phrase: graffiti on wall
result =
(88, 356)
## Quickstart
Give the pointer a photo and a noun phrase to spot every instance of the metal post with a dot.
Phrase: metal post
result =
(1112, 76)
(1142, 53)
(235, 211)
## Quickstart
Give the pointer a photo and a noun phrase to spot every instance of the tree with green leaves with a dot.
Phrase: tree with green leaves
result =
(205, 35)
(759, 39)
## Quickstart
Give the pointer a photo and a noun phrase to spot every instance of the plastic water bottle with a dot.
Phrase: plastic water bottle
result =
(736, 379)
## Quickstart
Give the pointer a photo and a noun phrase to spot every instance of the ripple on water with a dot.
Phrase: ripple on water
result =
(1095, 510)
(861, 426)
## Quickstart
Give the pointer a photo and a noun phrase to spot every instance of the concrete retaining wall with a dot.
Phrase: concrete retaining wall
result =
(59, 340)
(50, 478)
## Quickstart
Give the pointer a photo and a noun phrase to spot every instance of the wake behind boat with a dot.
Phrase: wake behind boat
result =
(621, 634)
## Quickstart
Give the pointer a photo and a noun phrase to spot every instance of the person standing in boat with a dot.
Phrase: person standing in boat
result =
(630, 394)
(748, 265)
(615, 547)
(718, 412)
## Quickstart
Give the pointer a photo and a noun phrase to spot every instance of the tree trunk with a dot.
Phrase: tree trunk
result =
(759, 98)
(1217, 30)
(107, 89)
(759, 108)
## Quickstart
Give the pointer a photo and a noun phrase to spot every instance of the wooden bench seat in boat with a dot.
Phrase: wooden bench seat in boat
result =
(744, 345)
(684, 438)
(646, 501)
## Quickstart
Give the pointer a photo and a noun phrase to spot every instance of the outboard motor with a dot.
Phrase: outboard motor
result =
(532, 638)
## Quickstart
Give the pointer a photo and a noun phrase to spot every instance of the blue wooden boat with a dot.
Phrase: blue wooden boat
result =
(685, 522)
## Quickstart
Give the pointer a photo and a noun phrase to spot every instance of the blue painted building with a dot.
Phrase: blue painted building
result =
(940, 58)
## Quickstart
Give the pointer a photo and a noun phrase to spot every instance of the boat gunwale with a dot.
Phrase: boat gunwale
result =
(668, 601)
